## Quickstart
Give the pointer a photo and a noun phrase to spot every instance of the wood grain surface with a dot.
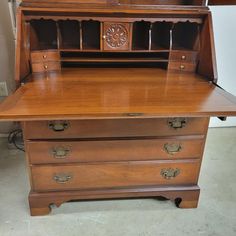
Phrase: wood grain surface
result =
(111, 175)
(105, 92)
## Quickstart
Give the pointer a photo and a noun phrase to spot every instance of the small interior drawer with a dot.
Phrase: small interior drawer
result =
(45, 55)
(182, 66)
(109, 128)
(46, 67)
(43, 152)
(184, 56)
(114, 175)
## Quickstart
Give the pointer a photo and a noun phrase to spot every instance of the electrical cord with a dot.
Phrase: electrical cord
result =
(15, 137)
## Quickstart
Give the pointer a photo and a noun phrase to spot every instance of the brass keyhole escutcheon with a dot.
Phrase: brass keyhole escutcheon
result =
(170, 173)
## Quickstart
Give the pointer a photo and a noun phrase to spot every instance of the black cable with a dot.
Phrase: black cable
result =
(15, 137)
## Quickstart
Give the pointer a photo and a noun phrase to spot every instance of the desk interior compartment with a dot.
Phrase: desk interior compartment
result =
(69, 34)
(161, 35)
(185, 36)
(91, 35)
(43, 35)
(141, 35)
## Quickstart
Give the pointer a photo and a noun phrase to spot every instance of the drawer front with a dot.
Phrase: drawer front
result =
(113, 150)
(184, 56)
(182, 66)
(46, 67)
(45, 56)
(110, 175)
(114, 128)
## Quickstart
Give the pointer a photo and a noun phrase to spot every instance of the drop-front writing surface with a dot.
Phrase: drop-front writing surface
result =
(114, 98)
(108, 92)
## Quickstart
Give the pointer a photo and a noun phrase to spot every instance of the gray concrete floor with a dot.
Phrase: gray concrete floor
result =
(216, 214)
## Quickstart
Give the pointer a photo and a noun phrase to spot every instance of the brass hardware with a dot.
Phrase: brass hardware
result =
(58, 126)
(60, 152)
(182, 67)
(177, 123)
(172, 148)
(183, 57)
(44, 56)
(45, 67)
(104, 36)
(62, 178)
(170, 173)
(133, 114)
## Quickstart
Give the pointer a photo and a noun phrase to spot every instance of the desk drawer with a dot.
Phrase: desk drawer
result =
(46, 67)
(184, 56)
(45, 56)
(113, 150)
(114, 128)
(182, 66)
(110, 175)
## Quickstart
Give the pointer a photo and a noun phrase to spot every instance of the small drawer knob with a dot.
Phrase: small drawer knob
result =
(183, 57)
(44, 56)
(62, 178)
(170, 173)
(104, 36)
(45, 67)
(182, 67)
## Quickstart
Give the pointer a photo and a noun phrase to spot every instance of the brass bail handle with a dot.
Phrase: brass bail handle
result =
(58, 126)
(177, 123)
(172, 148)
(170, 173)
(61, 152)
(62, 178)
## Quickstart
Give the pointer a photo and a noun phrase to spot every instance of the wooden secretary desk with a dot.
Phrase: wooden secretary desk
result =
(114, 97)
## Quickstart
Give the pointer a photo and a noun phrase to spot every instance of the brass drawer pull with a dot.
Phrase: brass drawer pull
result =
(172, 148)
(45, 67)
(44, 56)
(58, 126)
(182, 67)
(183, 57)
(170, 173)
(62, 178)
(61, 152)
(177, 123)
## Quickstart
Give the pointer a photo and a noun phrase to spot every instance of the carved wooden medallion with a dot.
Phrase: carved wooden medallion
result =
(116, 35)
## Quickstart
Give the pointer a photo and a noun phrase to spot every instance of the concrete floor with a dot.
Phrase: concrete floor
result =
(216, 214)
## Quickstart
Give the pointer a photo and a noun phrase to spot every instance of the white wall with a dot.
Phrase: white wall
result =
(7, 55)
(224, 25)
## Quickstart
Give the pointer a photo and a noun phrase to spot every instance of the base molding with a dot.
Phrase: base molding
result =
(184, 197)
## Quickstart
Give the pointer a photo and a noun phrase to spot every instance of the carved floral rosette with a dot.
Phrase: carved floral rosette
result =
(116, 35)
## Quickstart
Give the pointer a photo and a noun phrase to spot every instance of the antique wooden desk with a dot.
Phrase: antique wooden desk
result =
(115, 98)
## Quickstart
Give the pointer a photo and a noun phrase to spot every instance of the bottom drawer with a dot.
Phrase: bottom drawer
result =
(182, 66)
(46, 67)
(110, 175)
